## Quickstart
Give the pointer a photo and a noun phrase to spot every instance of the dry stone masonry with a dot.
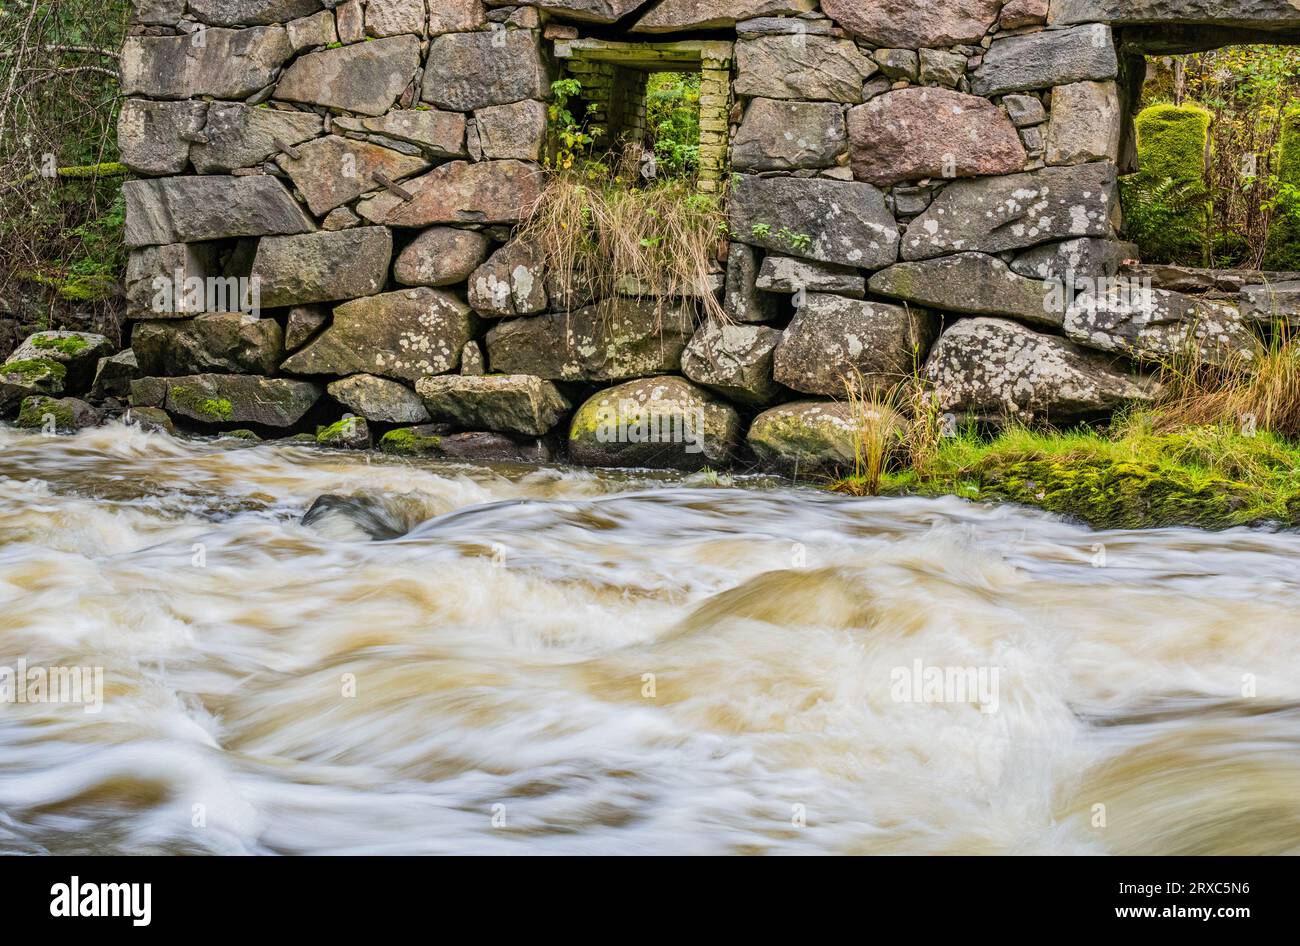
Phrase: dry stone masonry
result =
(913, 187)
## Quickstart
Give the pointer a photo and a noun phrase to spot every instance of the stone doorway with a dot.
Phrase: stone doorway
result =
(614, 77)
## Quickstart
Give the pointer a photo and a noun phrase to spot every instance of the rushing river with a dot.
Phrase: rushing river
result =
(556, 661)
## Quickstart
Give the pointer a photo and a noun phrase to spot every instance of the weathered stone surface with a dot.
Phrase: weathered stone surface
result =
(65, 414)
(151, 135)
(228, 64)
(223, 343)
(114, 374)
(512, 282)
(997, 368)
(734, 361)
(302, 322)
(519, 404)
(466, 71)
(350, 433)
(1085, 258)
(782, 136)
(899, 64)
(153, 420)
(459, 192)
(432, 440)
(1085, 123)
(1018, 210)
(590, 11)
(1272, 303)
(915, 24)
(614, 340)
(315, 30)
(940, 67)
(834, 342)
(809, 437)
(830, 221)
(789, 275)
(654, 422)
(1043, 60)
(1024, 110)
(250, 12)
(1267, 14)
(394, 17)
(332, 171)
(514, 131)
(193, 209)
(675, 16)
(403, 335)
(1157, 324)
(77, 352)
(440, 133)
(157, 12)
(973, 283)
(454, 16)
(153, 274)
(363, 77)
(817, 68)
(379, 399)
(441, 256)
(743, 302)
(324, 266)
(1021, 13)
(239, 136)
(228, 398)
(919, 133)
(20, 379)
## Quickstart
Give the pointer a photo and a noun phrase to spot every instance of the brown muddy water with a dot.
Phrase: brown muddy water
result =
(564, 661)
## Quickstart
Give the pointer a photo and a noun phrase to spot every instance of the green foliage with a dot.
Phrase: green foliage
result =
(1167, 203)
(673, 122)
(569, 134)
(1282, 251)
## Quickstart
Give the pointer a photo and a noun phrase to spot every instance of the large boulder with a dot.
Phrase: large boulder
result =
(363, 77)
(193, 209)
(835, 344)
(227, 64)
(229, 343)
(915, 24)
(403, 335)
(1019, 210)
(920, 133)
(517, 404)
(240, 136)
(465, 71)
(65, 414)
(20, 379)
(441, 256)
(228, 398)
(819, 68)
(783, 136)
(734, 361)
(654, 422)
(976, 284)
(810, 437)
(1157, 325)
(323, 266)
(1047, 59)
(995, 368)
(154, 137)
(77, 352)
(676, 16)
(379, 399)
(333, 170)
(460, 192)
(831, 221)
(614, 340)
(512, 282)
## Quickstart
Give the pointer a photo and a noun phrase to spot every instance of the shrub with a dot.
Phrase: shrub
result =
(1167, 203)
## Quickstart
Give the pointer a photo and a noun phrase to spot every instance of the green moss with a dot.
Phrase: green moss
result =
(242, 434)
(1167, 207)
(408, 441)
(35, 409)
(32, 370)
(1282, 250)
(65, 344)
(215, 409)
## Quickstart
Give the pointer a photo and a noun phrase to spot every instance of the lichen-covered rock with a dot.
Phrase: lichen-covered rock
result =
(441, 256)
(782, 136)
(806, 438)
(743, 301)
(1085, 258)
(734, 361)
(460, 192)
(250, 12)
(231, 343)
(350, 433)
(834, 344)
(440, 133)
(333, 170)
(20, 379)
(613, 340)
(1016, 211)
(193, 209)
(153, 137)
(394, 17)
(466, 71)
(64, 414)
(361, 77)
(817, 68)
(403, 335)
(1047, 59)
(785, 274)
(994, 368)
(239, 136)
(590, 11)
(456, 16)
(114, 374)
(1086, 123)
(378, 399)
(228, 398)
(227, 64)
(323, 266)
(77, 352)
(1155, 324)
(654, 422)
(915, 24)
(301, 323)
(1273, 14)
(517, 130)
(976, 284)
(518, 404)
(676, 16)
(307, 32)
(831, 221)
(920, 133)
(1272, 304)
(512, 282)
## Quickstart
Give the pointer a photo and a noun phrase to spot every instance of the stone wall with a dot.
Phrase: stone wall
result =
(914, 185)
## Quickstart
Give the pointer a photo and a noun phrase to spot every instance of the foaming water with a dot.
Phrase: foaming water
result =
(449, 658)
